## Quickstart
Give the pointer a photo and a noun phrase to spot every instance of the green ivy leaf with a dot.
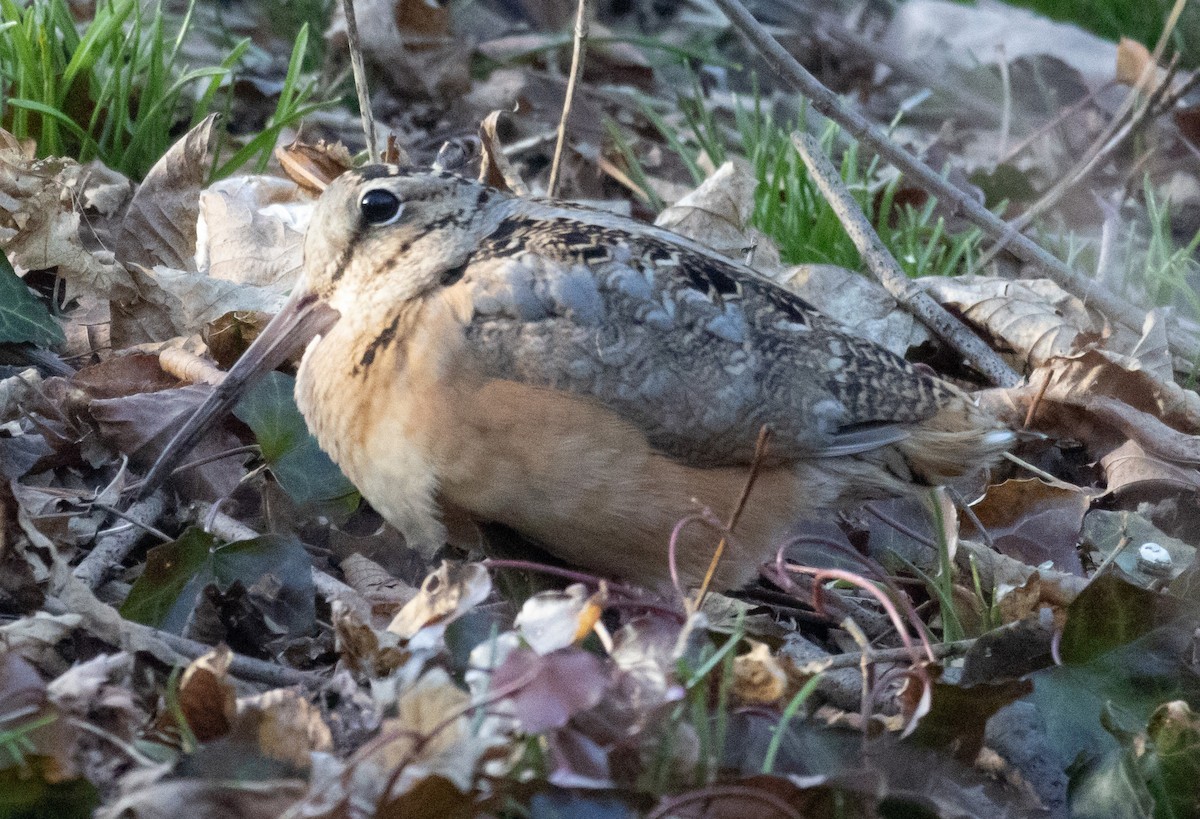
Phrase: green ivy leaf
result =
(305, 472)
(177, 572)
(24, 319)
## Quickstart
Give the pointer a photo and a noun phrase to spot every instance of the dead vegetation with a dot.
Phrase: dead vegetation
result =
(252, 640)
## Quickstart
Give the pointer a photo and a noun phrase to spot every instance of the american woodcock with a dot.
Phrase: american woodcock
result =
(588, 380)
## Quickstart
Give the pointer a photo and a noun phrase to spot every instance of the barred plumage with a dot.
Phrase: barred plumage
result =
(590, 380)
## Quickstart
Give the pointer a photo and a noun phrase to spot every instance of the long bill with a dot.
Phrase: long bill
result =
(302, 318)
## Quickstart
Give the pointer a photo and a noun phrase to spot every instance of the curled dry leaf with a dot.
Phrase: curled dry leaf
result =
(313, 167)
(362, 648)
(857, 301)
(758, 677)
(386, 593)
(447, 593)
(160, 225)
(551, 620)
(1034, 317)
(1103, 399)
(494, 167)
(284, 726)
(206, 696)
(1131, 469)
(717, 214)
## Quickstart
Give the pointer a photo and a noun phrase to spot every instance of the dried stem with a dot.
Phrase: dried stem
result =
(760, 451)
(577, 54)
(360, 80)
(888, 272)
(827, 103)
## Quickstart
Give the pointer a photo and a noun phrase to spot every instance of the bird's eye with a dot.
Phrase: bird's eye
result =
(380, 207)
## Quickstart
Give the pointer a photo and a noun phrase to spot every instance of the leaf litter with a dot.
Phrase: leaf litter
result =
(264, 644)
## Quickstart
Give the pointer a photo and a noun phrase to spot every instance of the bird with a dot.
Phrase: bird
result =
(596, 383)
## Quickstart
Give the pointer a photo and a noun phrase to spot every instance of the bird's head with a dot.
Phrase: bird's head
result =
(388, 234)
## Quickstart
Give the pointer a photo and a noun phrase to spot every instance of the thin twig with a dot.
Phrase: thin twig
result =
(112, 549)
(887, 271)
(1053, 122)
(1113, 135)
(827, 103)
(360, 80)
(136, 635)
(577, 55)
(760, 451)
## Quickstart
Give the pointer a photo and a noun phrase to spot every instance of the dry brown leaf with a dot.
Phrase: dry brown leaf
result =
(1034, 317)
(362, 648)
(1033, 522)
(160, 224)
(494, 168)
(1102, 399)
(40, 227)
(717, 214)
(1129, 468)
(284, 726)
(206, 696)
(446, 594)
(180, 303)
(758, 677)
(313, 167)
(386, 592)
(1133, 60)
(251, 231)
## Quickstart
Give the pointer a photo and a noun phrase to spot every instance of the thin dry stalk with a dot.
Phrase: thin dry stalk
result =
(1122, 124)
(883, 655)
(827, 103)
(760, 451)
(1101, 148)
(887, 271)
(360, 80)
(577, 53)
(1053, 122)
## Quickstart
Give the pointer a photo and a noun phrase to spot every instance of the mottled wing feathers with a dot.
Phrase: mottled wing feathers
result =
(696, 351)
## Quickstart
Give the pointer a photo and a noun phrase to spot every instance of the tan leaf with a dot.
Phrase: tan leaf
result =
(758, 678)
(1034, 317)
(386, 592)
(447, 593)
(361, 647)
(160, 224)
(285, 725)
(250, 231)
(1130, 467)
(717, 214)
(858, 302)
(1133, 60)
